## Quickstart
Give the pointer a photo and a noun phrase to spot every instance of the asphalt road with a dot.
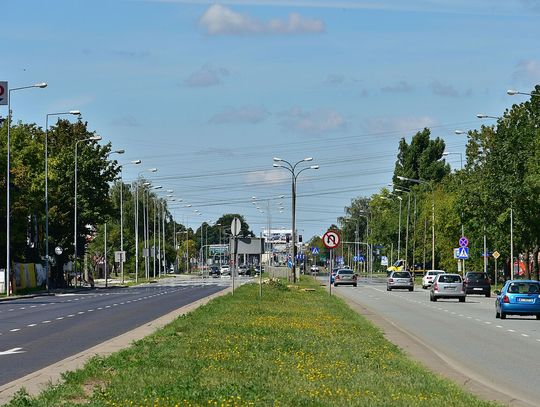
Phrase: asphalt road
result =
(503, 354)
(36, 332)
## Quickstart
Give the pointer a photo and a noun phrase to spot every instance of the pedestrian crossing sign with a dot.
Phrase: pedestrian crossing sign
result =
(461, 253)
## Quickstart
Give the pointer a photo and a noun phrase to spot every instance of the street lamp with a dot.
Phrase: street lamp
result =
(291, 168)
(137, 220)
(93, 138)
(447, 153)
(486, 116)
(73, 112)
(8, 217)
(420, 181)
(399, 222)
(513, 92)
(133, 162)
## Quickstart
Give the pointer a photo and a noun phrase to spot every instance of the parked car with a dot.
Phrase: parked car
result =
(447, 285)
(518, 297)
(214, 271)
(428, 278)
(242, 269)
(400, 279)
(314, 269)
(477, 283)
(345, 277)
(225, 270)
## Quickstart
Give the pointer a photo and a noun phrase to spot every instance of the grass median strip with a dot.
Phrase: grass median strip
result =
(296, 347)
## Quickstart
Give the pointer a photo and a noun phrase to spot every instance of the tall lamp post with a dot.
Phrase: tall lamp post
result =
(93, 138)
(133, 162)
(72, 112)
(421, 181)
(137, 221)
(8, 217)
(292, 168)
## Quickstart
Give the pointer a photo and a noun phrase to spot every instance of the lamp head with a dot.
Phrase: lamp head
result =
(276, 165)
(512, 92)
(481, 116)
(445, 153)
(94, 138)
(277, 159)
(170, 191)
(314, 167)
(459, 132)
(308, 159)
(136, 162)
(401, 178)
(152, 169)
(75, 112)
(157, 187)
(40, 85)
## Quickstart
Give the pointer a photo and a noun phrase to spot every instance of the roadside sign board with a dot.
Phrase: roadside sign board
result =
(384, 261)
(461, 253)
(315, 250)
(236, 226)
(463, 242)
(331, 239)
(3, 93)
(496, 254)
(120, 257)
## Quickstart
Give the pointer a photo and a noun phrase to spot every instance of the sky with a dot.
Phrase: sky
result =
(209, 92)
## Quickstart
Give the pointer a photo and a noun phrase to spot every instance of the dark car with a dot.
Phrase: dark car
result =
(477, 283)
(214, 271)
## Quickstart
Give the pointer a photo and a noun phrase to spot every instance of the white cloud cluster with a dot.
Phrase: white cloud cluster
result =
(313, 123)
(221, 20)
(527, 70)
(245, 114)
(206, 76)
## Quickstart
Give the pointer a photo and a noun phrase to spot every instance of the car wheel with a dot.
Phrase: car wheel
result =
(462, 299)
(355, 285)
(335, 285)
(497, 315)
(388, 289)
(432, 298)
(424, 287)
(503, 315)
(488, 294)
(411, 289)
(537, 316)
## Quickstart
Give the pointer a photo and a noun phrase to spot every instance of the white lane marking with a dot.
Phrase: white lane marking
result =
(511, 330)
(30, 325)
(33, 306)
(525, 335)
(11, 351)
(487, 322)
(45, 322)
(15, 330)
(70, 315)
(80, 312)
(60, 318)
(12, 309)
(499, 326)
(90, 310)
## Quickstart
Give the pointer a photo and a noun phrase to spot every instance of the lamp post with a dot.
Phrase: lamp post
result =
(513, 92)
(408, 192)
(133, 162)
(8, 217)
(291, 168)
(72, 112)
(399, 222)
(268, 243)
(93, 138)
(420, 181)
(137, 221)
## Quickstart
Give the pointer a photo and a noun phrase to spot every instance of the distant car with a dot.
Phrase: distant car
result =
(314, 269)
(400, 279)
(518, 297)
(477, 283)
(225, 270)
(345, 277)
(242, 269)
(428, 278)
(447, 285)
(214, 271)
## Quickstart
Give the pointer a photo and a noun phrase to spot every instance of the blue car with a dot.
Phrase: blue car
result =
(518, 297)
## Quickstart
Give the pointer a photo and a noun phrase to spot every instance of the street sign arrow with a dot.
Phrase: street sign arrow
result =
(12, 351)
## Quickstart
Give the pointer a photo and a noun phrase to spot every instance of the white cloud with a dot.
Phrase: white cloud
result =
(246, 114)
(404, 126)
(527, 70)
(316, 122)
(221, 20)
(206, 76)
(273, 176)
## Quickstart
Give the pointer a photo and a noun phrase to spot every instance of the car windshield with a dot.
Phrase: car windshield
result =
(449, 278)
(524, 288)
(476, 276)
(403, 274)
(344, 271)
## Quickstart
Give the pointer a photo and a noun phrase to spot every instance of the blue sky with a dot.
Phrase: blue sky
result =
(209, 92)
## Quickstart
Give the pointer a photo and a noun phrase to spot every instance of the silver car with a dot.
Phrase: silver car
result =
(447, 286)
(400, 279)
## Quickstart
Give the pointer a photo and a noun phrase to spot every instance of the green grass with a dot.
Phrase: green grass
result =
(292, 348)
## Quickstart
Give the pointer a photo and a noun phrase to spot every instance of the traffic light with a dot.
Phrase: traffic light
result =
(299, 238)
(287, 238)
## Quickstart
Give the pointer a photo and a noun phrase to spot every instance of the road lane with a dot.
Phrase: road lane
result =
(51, 328)
(504, 354)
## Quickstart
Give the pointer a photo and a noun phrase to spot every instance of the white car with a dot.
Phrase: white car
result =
(225, 270)
(430, 275)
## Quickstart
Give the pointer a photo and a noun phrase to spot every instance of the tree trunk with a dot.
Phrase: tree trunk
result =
(535, 261)
(527, 259)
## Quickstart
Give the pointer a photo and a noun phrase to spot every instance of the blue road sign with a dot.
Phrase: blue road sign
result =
(314, 250)
(289, 264)
(463, 241)
(461, 253)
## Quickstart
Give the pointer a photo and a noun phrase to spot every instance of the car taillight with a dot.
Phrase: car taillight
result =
(337, 277)
(506, 300)
(436, 287)
(391, 280)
